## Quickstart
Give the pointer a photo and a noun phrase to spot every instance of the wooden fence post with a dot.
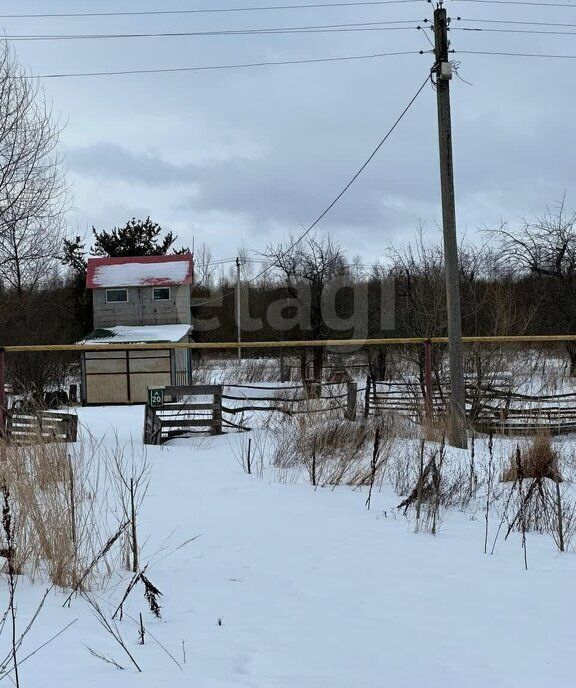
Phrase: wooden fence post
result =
(428, 397)
(352, 393)
(217, 412)
(284, 369)
(367, 397)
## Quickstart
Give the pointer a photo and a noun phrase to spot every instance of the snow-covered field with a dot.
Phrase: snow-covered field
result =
(288, 586)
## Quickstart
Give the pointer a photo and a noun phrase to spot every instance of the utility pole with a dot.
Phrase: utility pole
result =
(457, 435)
(238, 310)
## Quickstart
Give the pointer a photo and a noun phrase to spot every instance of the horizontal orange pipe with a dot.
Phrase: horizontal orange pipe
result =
(521, 339)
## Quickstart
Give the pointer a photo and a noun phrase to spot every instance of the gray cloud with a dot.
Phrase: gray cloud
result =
(256, 154)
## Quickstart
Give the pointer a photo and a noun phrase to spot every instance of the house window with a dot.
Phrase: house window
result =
(116, 295)
(161, 294)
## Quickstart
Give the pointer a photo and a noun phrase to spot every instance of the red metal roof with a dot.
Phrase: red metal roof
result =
(139, 271)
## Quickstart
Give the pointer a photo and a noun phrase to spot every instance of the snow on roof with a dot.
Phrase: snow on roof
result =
(138, 334)
(141, 271)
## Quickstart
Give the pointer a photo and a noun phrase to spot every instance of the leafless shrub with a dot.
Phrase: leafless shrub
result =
(404, 469)
(130, 476)
(431, 478)
(537, 499)
(561, 514)
(112, 629)
(522, 503)
(538, 460)
(65, 502)
(251, 451)
(489, 490)
(333, 451)
(427, 495)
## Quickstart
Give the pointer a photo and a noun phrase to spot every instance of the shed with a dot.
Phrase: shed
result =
(112, 376)
(137, 300)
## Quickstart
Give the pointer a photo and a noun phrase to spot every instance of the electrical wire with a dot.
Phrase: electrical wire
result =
(425, 31)
(509, 21)
(204, 68)
(522, 2)
(336, 199)
(505, 54)
(143, 13)
(523, 31)
(338, 28)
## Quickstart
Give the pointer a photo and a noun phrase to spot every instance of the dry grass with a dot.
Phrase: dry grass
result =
(332, 450)
(219, 371)
(64, 509)
(38, 478)
(537, 460)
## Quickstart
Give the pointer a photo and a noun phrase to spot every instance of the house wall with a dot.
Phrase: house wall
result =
(141, 309)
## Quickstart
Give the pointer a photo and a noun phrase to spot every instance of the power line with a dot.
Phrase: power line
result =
(353, 179)
(505, 54)
(220, 261)
(523, 2)
(510, 21)
(336, 199)
(523, 31)
(427, 36)
(204, 68)
(342, 28)
(207, 10)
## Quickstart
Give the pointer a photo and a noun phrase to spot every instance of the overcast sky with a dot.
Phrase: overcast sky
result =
(248, 156)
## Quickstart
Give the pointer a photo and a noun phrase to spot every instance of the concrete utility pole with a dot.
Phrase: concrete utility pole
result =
(238, 310)
(457, 435)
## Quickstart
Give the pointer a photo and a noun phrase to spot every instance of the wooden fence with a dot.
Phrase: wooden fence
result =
(184, 413)
(294, 399)
(491, 408)
(41, 426)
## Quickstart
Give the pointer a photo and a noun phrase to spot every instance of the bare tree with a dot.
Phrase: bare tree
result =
(247, 265)
(204, 267)
(314, 263)
(418, 270)
(544, 248)
(33, 193)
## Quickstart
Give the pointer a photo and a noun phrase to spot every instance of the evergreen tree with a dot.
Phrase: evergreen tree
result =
(136, 238)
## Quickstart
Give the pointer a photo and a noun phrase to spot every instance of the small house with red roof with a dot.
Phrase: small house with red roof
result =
(137, 300)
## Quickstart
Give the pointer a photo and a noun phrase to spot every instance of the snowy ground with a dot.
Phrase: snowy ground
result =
(292, 587)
